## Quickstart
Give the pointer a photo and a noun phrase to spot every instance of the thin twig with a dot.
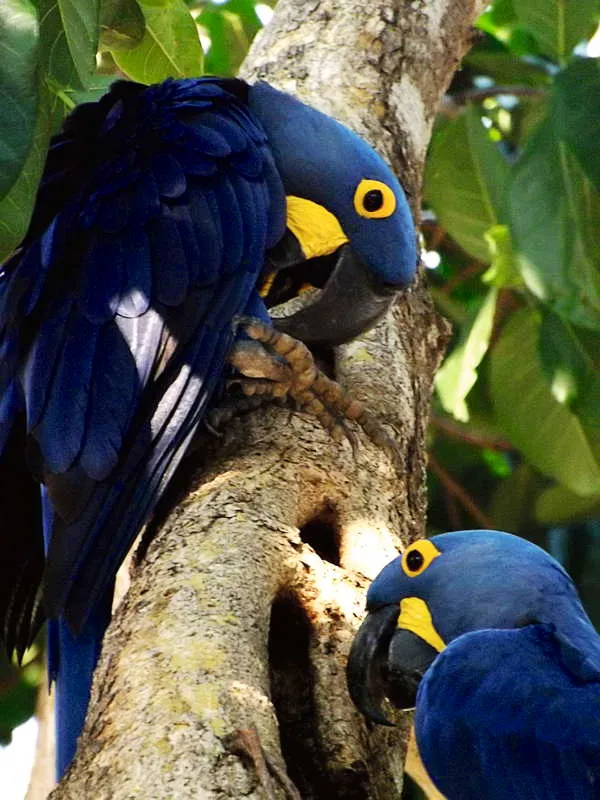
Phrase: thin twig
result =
(458, 432)
(454, 488)
(476, 95)
(472, 269)
(452, 104)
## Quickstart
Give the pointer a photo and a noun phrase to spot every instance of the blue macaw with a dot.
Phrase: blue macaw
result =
(487, 630)
(163, 214)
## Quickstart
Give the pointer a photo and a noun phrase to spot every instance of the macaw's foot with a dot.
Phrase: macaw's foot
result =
(275, 365)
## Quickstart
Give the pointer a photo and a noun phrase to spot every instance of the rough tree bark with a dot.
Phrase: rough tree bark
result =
(241, 611)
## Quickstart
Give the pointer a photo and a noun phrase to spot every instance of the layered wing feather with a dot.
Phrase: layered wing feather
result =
(116, 316)
(500, 715)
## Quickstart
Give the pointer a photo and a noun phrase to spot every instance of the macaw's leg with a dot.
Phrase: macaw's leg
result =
(275, 365)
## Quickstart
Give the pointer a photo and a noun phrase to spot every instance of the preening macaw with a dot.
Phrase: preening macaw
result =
(487, 630)
(164, 212)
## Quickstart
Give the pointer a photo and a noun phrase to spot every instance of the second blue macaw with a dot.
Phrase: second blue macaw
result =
(163, 214)
(486, 631)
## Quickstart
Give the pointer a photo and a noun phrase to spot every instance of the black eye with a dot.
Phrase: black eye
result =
(414, 560)
(373, 200)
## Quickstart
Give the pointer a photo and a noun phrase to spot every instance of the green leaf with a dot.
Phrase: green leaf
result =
(573, 376)
(122, 24)
(458, 374)
(503, 272)
(170, 47)
(231, 27)
(17, 205)
(504, 68)
(465, 182)
(512, 500)
(550, 437)
(69, 36)
(19, 39)
(554, 213)
(558, 25)
(576, 112)
(558, 505)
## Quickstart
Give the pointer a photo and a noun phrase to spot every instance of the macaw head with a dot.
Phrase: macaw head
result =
(447, 586)
(346, 214)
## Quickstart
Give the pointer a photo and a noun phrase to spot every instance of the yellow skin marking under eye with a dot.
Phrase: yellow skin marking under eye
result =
(428, 552)
(317, 230)
(415, 617)
(388, 205)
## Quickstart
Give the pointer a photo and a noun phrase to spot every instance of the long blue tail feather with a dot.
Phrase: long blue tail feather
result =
(71, 664)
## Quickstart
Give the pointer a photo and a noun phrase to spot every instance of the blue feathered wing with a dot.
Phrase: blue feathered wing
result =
(505, 714)
(148, 237)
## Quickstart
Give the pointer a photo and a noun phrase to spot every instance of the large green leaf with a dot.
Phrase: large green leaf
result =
(17, 205)
(19, 34)
(458, 374)
(465, 182)
(554, 213)
(573, 375)
(550, 437)
(576, 112)
(512, 501)
(122, 24)
(503, 272)
(558, 505)
(69, 34)
(504, 68)
(170, 47)
(558, 25)
(231, 26)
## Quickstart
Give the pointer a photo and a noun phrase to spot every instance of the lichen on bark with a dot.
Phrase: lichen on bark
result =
(242, 608)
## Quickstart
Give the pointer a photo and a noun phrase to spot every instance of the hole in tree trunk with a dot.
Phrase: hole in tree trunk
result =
(321, 533)
(292, 694)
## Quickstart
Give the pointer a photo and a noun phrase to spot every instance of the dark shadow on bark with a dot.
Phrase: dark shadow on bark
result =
(322, 534)
(292, 694)
(293, 697)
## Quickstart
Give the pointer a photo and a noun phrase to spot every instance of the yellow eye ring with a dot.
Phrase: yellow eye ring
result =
(374, 200)
(418, 557)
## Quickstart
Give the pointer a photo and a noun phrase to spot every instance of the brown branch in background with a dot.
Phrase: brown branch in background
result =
(459, 432)
(476, 95)
(507, 302)
(452, 105)
(436, 239)
(472, 269)
(459, 492)
(453, 511)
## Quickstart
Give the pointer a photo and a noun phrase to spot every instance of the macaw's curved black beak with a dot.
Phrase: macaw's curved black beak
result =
(351, 301)
(386, 661)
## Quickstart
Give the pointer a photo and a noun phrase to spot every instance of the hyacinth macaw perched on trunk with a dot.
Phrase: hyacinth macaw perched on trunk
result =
(487, 630)
(164, 213)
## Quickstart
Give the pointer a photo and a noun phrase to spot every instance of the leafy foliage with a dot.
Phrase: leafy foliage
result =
(170, 47)
(512, 191)
(19, 41)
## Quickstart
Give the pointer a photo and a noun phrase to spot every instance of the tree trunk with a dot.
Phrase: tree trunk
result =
(223, 671)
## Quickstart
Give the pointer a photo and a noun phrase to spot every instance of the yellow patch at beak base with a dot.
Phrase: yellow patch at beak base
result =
(317, 230)
(415, 617)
